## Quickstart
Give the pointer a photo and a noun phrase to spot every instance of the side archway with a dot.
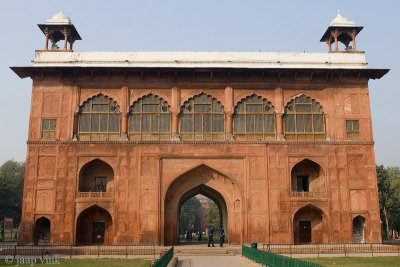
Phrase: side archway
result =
(307, 179)
(96, 176)
(310, 226)
(212, 184)
(41, 233)
(94, 226)
(358, 229)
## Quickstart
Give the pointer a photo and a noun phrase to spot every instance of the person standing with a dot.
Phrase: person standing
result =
(211, 236)
(221, 236)
(199, 235)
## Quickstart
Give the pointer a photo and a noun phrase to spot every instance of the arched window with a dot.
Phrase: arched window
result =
(99, 119)
(304, 120)
(150, 119)
(202, 118)
(254, 119)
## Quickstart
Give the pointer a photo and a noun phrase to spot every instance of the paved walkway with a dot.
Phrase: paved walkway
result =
(209, 261)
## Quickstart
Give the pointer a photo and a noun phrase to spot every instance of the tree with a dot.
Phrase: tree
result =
(11, 189)
(212, 215)
(389, 197)
(188, 214)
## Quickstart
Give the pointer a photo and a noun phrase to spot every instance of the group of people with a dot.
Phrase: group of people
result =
(211, 236)
(211, 230)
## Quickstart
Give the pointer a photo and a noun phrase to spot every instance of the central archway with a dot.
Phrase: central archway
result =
(214, 196)
(208, 182)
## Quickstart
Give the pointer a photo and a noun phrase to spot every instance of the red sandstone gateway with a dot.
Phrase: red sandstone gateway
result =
(282, 142)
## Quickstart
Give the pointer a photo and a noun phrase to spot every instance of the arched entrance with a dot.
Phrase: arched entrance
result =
(96, 176)
(212, 184)
(214, 196)
(94, 226)
(310, 226)
(358, 229)
(42, 231)
(307, 178)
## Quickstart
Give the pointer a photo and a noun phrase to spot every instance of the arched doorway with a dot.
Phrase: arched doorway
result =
(96, 176)
(358, 229)
(94, 226)
(217, 198)
(212, 184)
(310, 226)
(42, 231)
(307, 179)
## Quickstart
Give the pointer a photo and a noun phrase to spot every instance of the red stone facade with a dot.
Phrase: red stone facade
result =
(255, 182)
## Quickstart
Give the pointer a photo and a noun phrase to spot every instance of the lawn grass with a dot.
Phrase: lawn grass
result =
(90, 262)
(358, 261)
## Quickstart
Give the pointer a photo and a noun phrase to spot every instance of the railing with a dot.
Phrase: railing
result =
(308, 194)
(165, 259)
(70, 250)
(274, 260)
(344, 249)
(95, 194)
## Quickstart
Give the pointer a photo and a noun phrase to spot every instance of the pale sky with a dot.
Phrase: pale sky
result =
(203, 25)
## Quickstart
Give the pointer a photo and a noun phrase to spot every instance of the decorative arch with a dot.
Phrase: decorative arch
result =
(96, 176)
(304, 119)
(99, 119)
(42, 231)
(211, 183)
(359, 229)
(202, 117)
(254, 119)
(150, 119)
(310, 226)
(94, 226)
(307, 179)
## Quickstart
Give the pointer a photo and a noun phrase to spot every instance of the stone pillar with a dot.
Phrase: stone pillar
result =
(75, 126)
(46, 47)
(175, 109)
(329, 45)
(353, 36)
(124, 112)
(65, 39)
(229, 110)
(326, 126)
(279, 125)
(335, 35)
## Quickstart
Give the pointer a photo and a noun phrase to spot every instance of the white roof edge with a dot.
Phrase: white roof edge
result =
(202, 59)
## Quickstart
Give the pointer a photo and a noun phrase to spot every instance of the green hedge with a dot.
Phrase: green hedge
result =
(165, 259)
(274, 260)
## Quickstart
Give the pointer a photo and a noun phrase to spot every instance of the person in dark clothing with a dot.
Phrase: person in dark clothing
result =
(200, 235)
(221, 236)
(211, 236)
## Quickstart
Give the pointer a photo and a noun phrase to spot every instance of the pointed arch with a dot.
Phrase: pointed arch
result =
(42, 231)
(307, 179)
(211, 183)
(96, 176)
(310, 226)
(94, 226)
(150, 119)
(358, 229)
(254, 119)
(202, 117)
(99, 119)
(304, 119)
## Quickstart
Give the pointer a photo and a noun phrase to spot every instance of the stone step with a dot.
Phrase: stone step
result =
(205, 252)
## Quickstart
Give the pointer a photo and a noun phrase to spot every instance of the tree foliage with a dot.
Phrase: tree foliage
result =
(212, 215)
(11, 189)
(389, 197)
(188, 214)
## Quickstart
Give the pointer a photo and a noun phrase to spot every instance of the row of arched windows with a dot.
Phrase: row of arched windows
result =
(201, 118)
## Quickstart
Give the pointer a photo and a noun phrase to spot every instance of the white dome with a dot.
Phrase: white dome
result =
(59, 18)
(341, 21)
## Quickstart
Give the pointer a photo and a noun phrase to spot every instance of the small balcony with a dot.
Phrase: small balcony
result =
(303, 194)
(95, 194)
